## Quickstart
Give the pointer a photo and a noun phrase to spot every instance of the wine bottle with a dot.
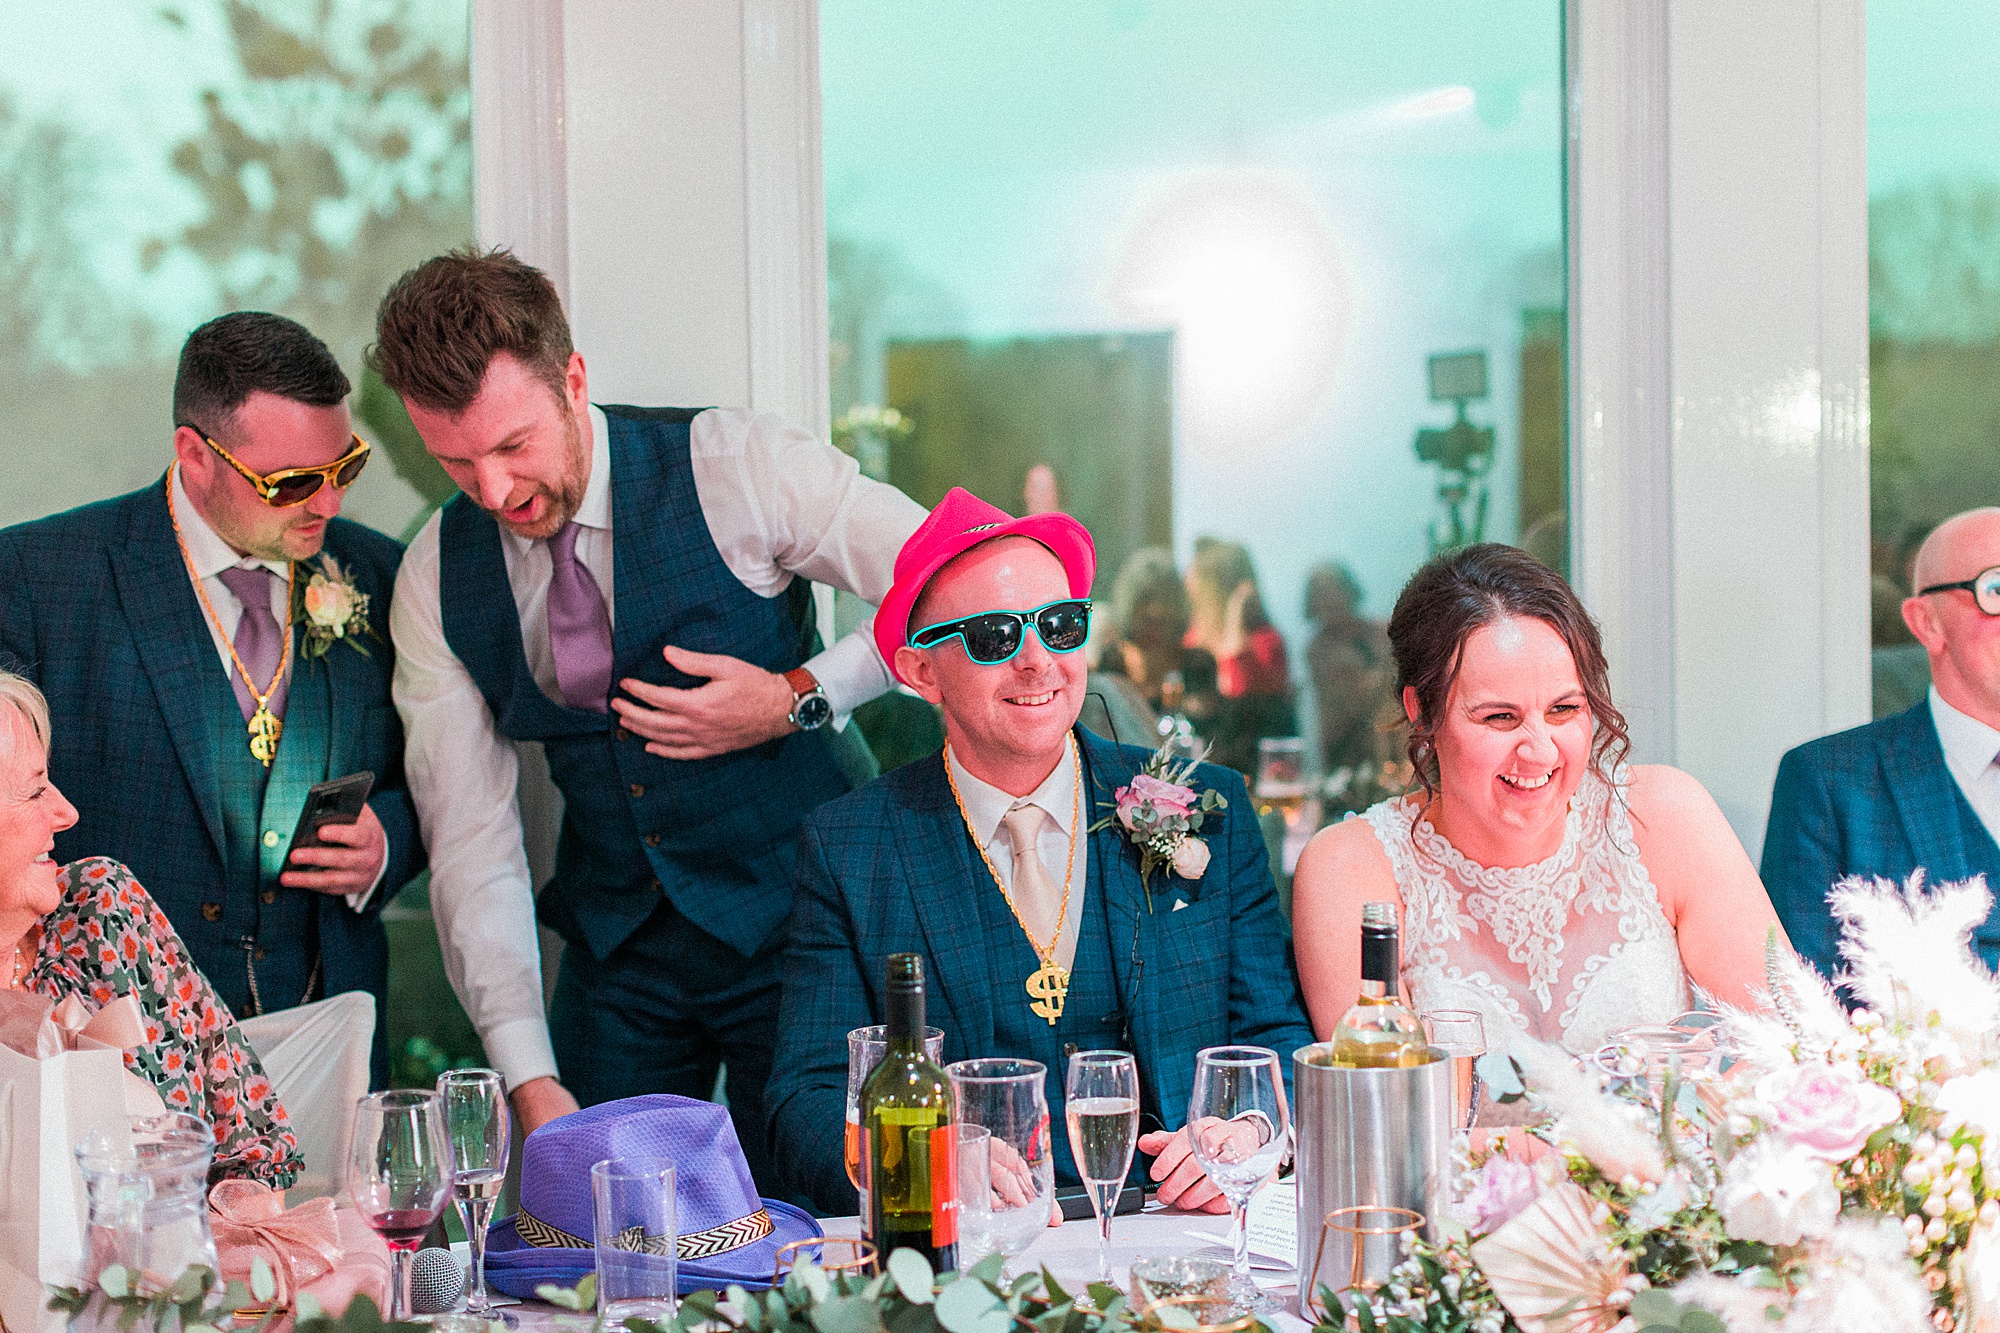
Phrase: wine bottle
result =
(1379, 1032)
(908, 1141)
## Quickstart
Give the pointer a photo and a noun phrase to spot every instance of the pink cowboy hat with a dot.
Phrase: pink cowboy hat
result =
(960, 522)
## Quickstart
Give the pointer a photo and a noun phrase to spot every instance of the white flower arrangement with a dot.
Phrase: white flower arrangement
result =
(1843, 1174)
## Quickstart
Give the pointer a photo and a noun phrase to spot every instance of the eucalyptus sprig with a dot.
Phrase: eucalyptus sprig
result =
(194, 1302)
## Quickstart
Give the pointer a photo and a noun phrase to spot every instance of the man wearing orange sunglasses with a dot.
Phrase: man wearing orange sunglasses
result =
(184, 637)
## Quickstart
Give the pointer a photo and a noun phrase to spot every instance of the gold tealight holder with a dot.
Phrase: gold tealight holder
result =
(1212, 1314)
(860, 1256)
(1358, 1222)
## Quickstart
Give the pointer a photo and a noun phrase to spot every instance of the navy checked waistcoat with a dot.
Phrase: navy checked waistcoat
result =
(716, 837)
(1093, 1016)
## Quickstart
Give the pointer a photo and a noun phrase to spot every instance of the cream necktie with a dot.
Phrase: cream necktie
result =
(1037, 896)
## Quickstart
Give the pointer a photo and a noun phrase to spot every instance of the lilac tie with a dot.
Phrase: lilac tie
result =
(579, 627)
(257, 638)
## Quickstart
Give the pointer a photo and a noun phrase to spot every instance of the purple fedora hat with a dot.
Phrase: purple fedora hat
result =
(727, 1233)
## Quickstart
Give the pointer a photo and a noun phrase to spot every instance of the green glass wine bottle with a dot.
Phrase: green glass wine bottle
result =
(908, 1141)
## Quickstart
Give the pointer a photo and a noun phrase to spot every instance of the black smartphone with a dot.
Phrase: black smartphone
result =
(1075, 1201)
(335, 801)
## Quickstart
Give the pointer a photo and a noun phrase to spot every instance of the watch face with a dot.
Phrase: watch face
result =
(812, 712)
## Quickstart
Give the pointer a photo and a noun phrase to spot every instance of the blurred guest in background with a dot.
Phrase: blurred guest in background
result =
(1348, 664)
(1038, 935)
(184, 637)
(1920, 789)
(1542, 883)
(89, 930)
(1252, 673)
(1149, 615)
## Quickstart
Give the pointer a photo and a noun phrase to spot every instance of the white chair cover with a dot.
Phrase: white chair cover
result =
(317, 1059)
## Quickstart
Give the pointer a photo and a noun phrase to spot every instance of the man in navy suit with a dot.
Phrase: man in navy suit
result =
(195, 695)
(1919, 790)
(1039, 936)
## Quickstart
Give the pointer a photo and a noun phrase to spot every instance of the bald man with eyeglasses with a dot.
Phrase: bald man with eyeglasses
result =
(1916, 791)
(211, 646)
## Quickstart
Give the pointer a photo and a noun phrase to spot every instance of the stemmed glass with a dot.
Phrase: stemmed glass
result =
(1101, 1104)
(1239, 1127)
(1007, 1099)
(475, 1112)
(1461, 1035)
(399, 1175)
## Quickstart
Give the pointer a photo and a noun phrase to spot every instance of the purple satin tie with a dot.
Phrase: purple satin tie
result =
(258, 640)
(579, 627)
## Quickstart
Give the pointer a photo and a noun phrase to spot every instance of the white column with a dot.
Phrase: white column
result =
(1720, 468)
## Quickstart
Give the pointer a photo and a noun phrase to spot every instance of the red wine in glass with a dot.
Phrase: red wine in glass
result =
(399, 1174)
(404, 1227)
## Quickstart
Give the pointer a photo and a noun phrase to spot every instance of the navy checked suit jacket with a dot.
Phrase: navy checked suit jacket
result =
(96, 607)
(891, 869)
(1875, 800)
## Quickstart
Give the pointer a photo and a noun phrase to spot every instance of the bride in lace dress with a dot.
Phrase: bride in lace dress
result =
(1543, 882)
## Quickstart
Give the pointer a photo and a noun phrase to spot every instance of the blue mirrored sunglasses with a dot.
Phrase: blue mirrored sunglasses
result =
(993, 637)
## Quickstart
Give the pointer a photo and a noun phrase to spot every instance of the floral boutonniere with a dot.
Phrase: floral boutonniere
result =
(331, 608)
(1161, 814)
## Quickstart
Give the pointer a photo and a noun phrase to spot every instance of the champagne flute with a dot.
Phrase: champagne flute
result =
(1008, 1099)
(1239, 1127)
(1461, 1035)
(399, 1175)
(475, 1112)
(1101, 1104)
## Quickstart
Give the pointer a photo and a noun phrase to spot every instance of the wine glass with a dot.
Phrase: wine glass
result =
(1101, 1104)
(1461, 1035)
(1239, 1128)
(1282, 784)
(399, 1175)
(1008, 1099)
(864, 1051)
(475, 1112)
(975, 1230)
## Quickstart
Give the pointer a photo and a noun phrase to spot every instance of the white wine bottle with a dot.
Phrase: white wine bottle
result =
(1379, 1032)
(908, 1141)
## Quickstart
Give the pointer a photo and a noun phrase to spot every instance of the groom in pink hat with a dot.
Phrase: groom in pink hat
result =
(1003, 860)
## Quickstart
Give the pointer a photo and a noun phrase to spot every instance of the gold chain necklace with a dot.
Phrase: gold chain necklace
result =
(1047, 985)
(264, 727)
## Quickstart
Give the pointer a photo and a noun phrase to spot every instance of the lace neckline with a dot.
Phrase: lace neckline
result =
(1441, 849)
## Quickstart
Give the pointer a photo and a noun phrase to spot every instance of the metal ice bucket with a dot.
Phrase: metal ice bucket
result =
(1366, 1137)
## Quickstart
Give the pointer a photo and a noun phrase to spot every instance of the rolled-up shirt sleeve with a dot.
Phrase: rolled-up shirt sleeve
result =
(463, 779)
(780, 503)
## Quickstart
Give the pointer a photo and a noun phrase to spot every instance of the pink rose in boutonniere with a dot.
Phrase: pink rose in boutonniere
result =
(333, 608)
(1161, 813)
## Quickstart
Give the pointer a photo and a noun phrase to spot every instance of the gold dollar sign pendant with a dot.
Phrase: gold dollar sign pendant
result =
(265, 729)
(1049, 985)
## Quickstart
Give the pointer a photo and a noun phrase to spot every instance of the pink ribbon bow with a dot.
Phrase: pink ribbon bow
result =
(248, 1216)
(40, 1028)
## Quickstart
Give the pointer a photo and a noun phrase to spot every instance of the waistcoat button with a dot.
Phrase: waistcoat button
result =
(652, 840)
(270, 896)
(637, 789)
(211, 911)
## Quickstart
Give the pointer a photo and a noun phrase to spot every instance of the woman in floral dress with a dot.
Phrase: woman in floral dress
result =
(89, 929)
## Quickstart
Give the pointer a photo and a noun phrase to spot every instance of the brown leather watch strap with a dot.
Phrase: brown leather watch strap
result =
(802, 681)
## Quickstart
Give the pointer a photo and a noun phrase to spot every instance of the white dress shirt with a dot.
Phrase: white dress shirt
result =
(778, 503)
(210, 556)
(986, 805)
(1972, 753)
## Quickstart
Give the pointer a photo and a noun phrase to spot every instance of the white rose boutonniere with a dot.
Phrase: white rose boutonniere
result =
(332, 608)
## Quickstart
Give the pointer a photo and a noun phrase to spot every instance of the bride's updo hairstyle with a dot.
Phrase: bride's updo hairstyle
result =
(1459, 591)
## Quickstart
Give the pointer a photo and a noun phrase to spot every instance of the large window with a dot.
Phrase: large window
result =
(1266, 291)
(1933, 299)
(163, 163)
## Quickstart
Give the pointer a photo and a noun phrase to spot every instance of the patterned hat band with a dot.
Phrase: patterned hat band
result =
(695, 1245)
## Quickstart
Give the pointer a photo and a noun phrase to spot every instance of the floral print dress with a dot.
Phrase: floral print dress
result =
(109, 938)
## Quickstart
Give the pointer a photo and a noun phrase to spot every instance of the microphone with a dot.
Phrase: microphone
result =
(437, 1281)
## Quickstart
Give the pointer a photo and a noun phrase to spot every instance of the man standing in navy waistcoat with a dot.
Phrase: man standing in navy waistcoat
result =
(170, 628)
(1920, 789)
(627, 587)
